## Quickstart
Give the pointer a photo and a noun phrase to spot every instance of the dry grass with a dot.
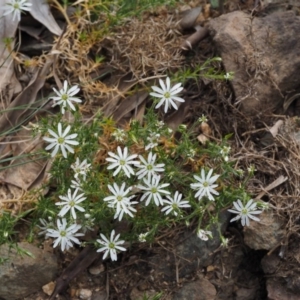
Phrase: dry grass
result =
(147, 46)
(139, 48)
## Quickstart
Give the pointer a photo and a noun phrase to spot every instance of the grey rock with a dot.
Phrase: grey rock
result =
(265, 234)
(165, 271)
(192, 254)
(197, 253)
(23, 275)
(201, 289)
(263, 53)
(270, 263)
(277, 290)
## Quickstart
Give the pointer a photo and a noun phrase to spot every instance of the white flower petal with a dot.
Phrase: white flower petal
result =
(167, 94)
(110, 246)
(245, 212)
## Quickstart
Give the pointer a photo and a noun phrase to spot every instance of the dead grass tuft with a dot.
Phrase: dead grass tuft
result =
(146, 46)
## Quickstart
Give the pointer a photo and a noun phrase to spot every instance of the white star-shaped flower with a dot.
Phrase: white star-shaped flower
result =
(111, 246)
(142, 237)
(203, 119)
(120, 135)
(15, 7)
(174, 204)
(80, 168)
(45, 226)
(122, 162)
(153, 139)
(204, 234)
(245, 213)
(87, 223)
(224, 241)
(149, 168)
(159, 124)
(65, 235)
(120, 201)
(225, 152)
(153, 190)
(76, 184)
(70, 203)
(61, 140)
(65, 97)
(205, 186)
(229, 76)
(167, 94)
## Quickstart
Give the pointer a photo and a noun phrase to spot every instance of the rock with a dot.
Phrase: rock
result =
(196, 253)
(192, 254)
(84, 294)
(49, 288)
(263, 53)
(21, 276)
(162, 271)
(270, 263)
(277, 290)
(201, 289)
(265, 234)
(96, 269)
(283, 276)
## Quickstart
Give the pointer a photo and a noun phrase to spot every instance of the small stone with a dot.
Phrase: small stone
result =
(96, 269)
(84, 294)
(49, 288)
(210, 268)
(198, 290)
(72, 292)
